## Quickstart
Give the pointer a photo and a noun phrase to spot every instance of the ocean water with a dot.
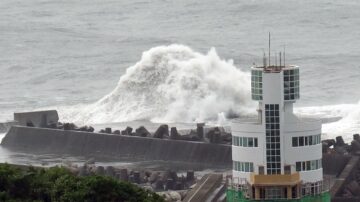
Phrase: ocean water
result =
(107, 61)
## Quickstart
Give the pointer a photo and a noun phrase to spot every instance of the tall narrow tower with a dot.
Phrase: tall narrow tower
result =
(278, 156)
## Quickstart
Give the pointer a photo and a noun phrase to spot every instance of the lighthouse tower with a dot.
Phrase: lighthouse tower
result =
(278, 155)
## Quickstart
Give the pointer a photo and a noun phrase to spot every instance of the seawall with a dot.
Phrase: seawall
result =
(111, 146)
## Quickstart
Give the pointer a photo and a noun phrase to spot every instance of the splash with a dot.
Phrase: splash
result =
(348, 124)
(172, 84)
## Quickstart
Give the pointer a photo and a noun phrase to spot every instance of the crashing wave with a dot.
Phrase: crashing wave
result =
(172, 84)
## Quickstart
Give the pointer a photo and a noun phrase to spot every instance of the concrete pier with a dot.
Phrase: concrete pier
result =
(110, 146)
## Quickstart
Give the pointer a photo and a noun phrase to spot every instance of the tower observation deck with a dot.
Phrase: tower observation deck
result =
(278, 156)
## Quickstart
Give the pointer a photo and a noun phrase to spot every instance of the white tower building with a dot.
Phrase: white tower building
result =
(278, 155)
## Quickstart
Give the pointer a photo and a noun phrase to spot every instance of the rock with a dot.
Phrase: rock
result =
(117, 132)
(83, 128)
(355, 145)
(162, 131)
(110, 171)
(169, 184)
(178, 186)
(100, 170)
(226, 137)
(330, 142)
(91, 129)
(137, 178)
(158, 185)
(164, 175)
(128, 130)
(200, 130)
(214, 135)
(142, 132)
(325, 147)
(108, 130)
(124, 174)
(147, 173)
(356, 137)
(341, 150)
(173, 175)
(69, 126)
(153, 177)
(340, 141)
(83, 171)
(174, 135)
(190, 176)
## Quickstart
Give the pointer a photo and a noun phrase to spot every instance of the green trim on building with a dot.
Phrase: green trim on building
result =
(237, 196)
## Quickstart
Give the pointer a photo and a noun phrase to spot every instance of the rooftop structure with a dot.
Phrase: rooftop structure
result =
(278, 156)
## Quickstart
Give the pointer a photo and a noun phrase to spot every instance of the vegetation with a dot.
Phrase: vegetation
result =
(60, 185)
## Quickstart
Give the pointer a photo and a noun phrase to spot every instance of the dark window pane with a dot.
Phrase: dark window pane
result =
(295, 142)
(245, 142)
(250, 142)
(301, 141)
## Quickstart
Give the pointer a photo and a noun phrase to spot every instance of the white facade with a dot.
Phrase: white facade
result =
(278, 142)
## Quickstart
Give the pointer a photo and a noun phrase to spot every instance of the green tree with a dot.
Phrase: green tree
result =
(60, 185)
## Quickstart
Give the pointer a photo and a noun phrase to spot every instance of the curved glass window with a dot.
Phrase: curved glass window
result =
(245, 141)
(256, 85)
(243, 166)
(308, 165)
(306, 140)
(291, 84)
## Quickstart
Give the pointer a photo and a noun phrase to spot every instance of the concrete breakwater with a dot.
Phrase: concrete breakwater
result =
(109, 146)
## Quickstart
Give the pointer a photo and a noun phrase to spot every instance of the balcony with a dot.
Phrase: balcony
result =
(271, 180)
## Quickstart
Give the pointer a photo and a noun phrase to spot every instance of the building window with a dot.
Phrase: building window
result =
(295, 142)
(245, 141)
(308, 165)
(256, 84)
(291, 84)
(275, 193)
(301, 141)
(306, 140)
(272, 128)
(314, 188)
(243, 166)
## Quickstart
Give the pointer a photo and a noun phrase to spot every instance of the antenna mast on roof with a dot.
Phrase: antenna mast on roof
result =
(264, 59)
(269, 49)
(275, 59)
(284, 56)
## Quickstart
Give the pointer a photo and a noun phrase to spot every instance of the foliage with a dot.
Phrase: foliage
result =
(60, 185)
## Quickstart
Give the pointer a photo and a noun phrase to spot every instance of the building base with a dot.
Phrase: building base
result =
(238, 196)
